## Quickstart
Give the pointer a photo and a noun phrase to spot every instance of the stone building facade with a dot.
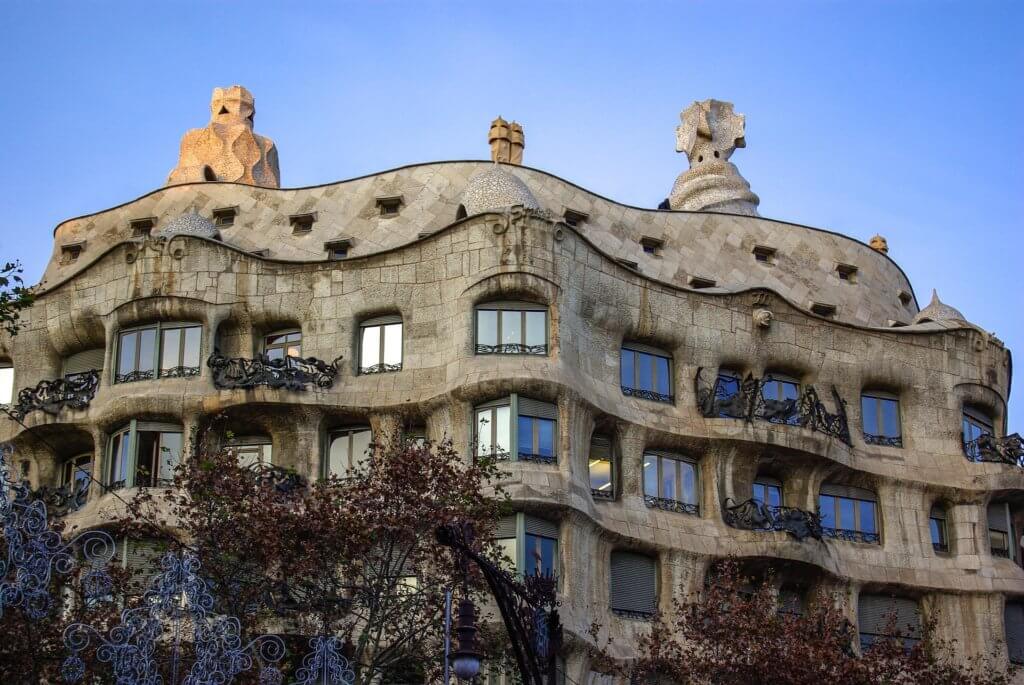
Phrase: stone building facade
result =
(673, 386)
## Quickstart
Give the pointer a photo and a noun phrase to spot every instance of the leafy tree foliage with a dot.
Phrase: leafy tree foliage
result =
(14, 297)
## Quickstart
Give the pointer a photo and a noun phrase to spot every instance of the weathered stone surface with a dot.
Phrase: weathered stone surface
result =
(507, 141)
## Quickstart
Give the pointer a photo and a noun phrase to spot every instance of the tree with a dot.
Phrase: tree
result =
(732, 635)
(14, 297)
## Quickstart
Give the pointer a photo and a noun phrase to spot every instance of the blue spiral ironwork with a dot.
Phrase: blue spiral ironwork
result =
(325, 664)
(35, 552)
(178, 599)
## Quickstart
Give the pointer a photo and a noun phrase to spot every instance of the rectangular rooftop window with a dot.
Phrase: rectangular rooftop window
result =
(302, 223)
(574, 218)
(142, 227)
(823, 309)
(338, 249)
(701, 282)
(71, 251)
(389, 206)
(764, 254)
(651, 246)
(905, 297)
(224, 216)
(847, 272)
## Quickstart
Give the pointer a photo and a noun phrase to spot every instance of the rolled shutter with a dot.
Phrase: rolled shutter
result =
(500, 402)
(633, 583)
(790, 602)
(158, 427)
(86, 360)
(142, 560)
(1013, 624)
(937, 512)
(506, 527)
(383, 320)
(998, 517)
(513, 305)
(648, 349)
(600, 448)
(536, 526)
(874, 613)
(537, 409)
(848, 491)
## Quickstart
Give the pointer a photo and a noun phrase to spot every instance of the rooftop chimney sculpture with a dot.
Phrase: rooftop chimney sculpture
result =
(228, 149)
(709, 133)
(507, 141)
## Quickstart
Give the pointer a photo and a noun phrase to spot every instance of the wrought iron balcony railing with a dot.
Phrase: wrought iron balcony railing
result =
(512, 348)
(64, 499)
(1001, 552)
(134, 376)
(180, 372)
(851, 535)
(74, 391)
(538, 458)
(736, 399)
(289, 373)
(672, 505)
(940, 547)
(756, 515)
(597, 493)
(988, 448)
(379, 368)
(633, 614)
(884, 440)
(648, 395)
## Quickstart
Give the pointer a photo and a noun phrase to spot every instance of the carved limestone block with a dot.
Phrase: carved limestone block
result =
(763, 318)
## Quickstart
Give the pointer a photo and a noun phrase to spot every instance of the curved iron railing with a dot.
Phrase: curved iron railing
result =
(675, 505)
(74, 391)
(851, 535)
(289, 373)
(512, 348)
(756, 515)
(988, 448)
(648, 395)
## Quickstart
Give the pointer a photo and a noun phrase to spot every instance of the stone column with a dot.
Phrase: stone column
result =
(631, 439)
(387, 430)
(574, 441)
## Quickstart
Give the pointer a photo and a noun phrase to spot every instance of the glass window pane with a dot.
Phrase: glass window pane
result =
(193, 343)
(147, 349)
(601, 475)
(508, 548)
(370, 348)
(6, 384)
(645, 372)
(650, 475)
(361, 447)
(525, 436)
(486, 327)
(511, 327)
(626, 369)
(827, 507)
(536, 328)
(338, 456)
(790, 391)
(169, 456)
(668, 479)
(146, 458)
(126, 353)
(847, 519)
(867, 517)
(891, 418)
(484, 420)
(545, 437)
(869, 414)
(170, 348)
(393, 343)
(119, 458)
(275, 353)
(774, 496)
(689, 482)
(759, 492)
(664, 380)
(540, 555)
(935, 526)
(503, 433)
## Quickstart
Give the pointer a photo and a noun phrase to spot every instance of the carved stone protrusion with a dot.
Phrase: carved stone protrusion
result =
(709, 133)
(763, 318)
(879, 244)
(507, 141)
(228, 149)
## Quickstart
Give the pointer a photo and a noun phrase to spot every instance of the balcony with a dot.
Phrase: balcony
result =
(74, 391)
(62, 500)
(883, 440)
(756, 515)
(848, 535)
(648, 395)
(512, 348)
(988, 448)
(289, 373)
(736, 399)
(672, 505)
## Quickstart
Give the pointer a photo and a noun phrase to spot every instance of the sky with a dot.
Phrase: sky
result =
(899, 118)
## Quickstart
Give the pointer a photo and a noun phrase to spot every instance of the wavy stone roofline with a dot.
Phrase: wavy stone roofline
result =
(704, 245)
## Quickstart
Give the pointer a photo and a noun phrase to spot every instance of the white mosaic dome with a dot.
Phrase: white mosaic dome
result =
(494, 189)
(190, 224)
(938, 311)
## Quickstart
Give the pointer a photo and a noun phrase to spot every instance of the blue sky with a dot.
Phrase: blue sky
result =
(901, 118)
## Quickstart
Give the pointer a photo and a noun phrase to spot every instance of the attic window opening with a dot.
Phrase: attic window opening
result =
(208, 174)
(823, 309)
(764, 254)
(651, 246)
(71, 252)
(338, 249)
(460, 213)
(302, 223)
(574, 218)
(223, 110)
(847, 272)
(700, 282)
(142, 227)
(389, 206)
(905, 297)
(224, 216)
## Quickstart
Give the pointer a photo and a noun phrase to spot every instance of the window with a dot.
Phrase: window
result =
(530, 543)
(877, 615)
(348, 449)
(338, 249)
(6, 382)
(77, 469)
(224, 216)
(142, 227)
(84, 362)
(651, 246)
(511, 328)
(768, 491)
(823, 309)
(670, 482)
(141, 558)
(699, 282)
(848, 513)
(791, 601)
(535, 437)
(71, 252)
(847, 272)
(633, 591)
(302, 223)
(144, 454)
(389, 206)
(380, 344)
(905, 298)
(937, 528)
(1013, 625)
(1000, 530)
(976, 423)
(781, 398)
(880, 414)
(602, 475)
(646, 372)
(170, 350)
(282, 344)
(764, 254)
(574, 218)
(730, 402)
(252, 450)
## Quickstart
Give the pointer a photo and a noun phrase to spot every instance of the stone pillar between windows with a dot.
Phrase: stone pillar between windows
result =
(577, 540)
(453, 419)
(965, 531)
(631, 439)
(387, 430)
(574, 442)
(304, 439)
(99, 461)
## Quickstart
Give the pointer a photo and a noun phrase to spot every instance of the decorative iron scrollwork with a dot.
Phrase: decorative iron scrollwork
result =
(756, 515)
(538, 458)
(74, 391)
(180, 372)
(672, 505)
(634, 615)
(851, 535)
(64, 499)
(279, 478)
(989, 448)
(728, 397)
(512, 348)
(602, 494)
(134, 376)
(648, 395)
(884, 440)
(289, 373)
(379, 368)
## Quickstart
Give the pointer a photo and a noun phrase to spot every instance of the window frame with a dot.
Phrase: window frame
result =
(637, 349)
(841, 530)
(520, 348)
(158, 372)
(768, 483)
(659, 501)
(381, 322)
(70, 466)
(268, 347)
(350, 432)
(975, 417)
(520, 538)
(880, 398)
(512, 401)
(940, 546)
(130, 433)
(262, 446)
(4, 365)
(780, 380)
(600, 494)
(1007, 534)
